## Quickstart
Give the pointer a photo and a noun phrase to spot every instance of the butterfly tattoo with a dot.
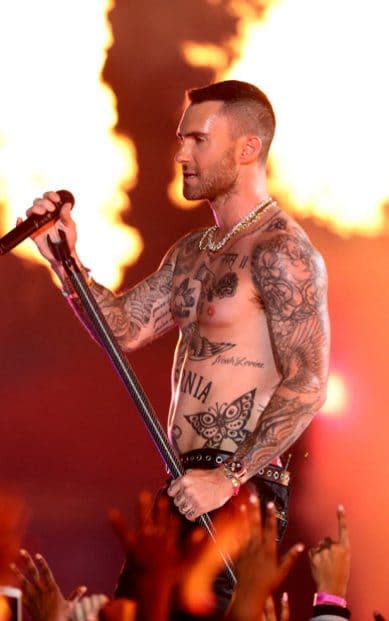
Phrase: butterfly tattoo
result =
(224, 421)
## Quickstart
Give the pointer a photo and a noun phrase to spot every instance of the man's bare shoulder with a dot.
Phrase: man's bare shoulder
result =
(281, 236)
(189, 240)
(286, 269)
(188, 244)
(186, 251)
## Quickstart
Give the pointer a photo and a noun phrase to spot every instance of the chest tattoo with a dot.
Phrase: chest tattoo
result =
(201, 348)
(243, 262)
(183, 299)
(229, 258)
(187, 256)
(211, 286)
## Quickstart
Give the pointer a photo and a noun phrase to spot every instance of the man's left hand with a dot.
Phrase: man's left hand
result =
(200, 491)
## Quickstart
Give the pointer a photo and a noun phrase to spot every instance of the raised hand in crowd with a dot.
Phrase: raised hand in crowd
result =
(330, 561)
(258, 569)
(153, 558)
(87, 608)
(160, 561)
(240, 535)
(204, 561)
(330, 567)
(42, 596)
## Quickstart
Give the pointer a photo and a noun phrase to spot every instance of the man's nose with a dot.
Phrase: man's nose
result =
(182, 155)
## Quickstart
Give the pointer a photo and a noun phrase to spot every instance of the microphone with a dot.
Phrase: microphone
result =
(33, 223)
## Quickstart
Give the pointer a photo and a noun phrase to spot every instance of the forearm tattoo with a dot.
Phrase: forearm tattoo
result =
(81, 314)
(145, 308)
(290, 278)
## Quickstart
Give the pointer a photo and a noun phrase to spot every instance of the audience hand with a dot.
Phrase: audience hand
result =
(330, 561)
(87, 608)
(204, 561)
(258, 569)
(153, 557)
(41, 594)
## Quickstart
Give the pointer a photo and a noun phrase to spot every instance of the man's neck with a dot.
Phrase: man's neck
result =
(231, 208)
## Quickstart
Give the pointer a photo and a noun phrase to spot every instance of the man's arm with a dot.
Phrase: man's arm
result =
(139, 315)
(135, 317)
(291, 280)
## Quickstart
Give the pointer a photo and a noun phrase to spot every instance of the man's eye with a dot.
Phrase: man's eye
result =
(200, 139)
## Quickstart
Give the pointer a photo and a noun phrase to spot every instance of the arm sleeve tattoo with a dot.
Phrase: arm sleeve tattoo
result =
(139, 315)
(290, 277)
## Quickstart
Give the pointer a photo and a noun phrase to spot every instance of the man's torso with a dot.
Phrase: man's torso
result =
(224, 371)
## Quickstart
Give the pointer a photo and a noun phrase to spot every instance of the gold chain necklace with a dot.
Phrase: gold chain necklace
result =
(206, 242)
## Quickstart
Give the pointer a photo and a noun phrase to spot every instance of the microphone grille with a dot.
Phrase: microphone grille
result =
(66, 197)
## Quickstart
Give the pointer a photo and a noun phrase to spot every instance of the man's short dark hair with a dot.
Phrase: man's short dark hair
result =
(252, 111)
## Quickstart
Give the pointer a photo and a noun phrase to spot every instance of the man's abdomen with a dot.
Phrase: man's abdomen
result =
(218, 404)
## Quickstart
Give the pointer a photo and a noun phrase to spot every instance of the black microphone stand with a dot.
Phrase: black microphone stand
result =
(120, 362)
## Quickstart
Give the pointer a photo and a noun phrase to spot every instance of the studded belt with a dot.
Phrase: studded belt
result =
(212, 458)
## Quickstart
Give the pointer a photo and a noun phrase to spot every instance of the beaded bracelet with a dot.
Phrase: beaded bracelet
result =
(69, 295)
(235, 485)
(234, 468)
(233, 477)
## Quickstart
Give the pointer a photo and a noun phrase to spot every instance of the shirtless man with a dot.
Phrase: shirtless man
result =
(248, 297)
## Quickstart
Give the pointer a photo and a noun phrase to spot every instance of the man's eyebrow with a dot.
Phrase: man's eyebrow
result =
(193, 134)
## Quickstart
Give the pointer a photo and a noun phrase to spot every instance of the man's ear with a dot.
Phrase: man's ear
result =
(250, 149)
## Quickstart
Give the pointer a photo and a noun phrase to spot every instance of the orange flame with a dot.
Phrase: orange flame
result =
(331, 100)
(57, 127)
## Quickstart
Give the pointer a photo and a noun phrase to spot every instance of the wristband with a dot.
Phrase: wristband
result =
(327, 598)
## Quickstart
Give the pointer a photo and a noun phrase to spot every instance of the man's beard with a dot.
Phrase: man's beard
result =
(214, 183)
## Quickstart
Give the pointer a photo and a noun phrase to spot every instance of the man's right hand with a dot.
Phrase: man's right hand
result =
(65, 222)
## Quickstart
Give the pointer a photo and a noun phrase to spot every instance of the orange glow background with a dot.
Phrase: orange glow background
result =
(72, 443)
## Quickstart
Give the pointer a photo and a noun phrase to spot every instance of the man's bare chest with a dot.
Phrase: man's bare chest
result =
(216, 291)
